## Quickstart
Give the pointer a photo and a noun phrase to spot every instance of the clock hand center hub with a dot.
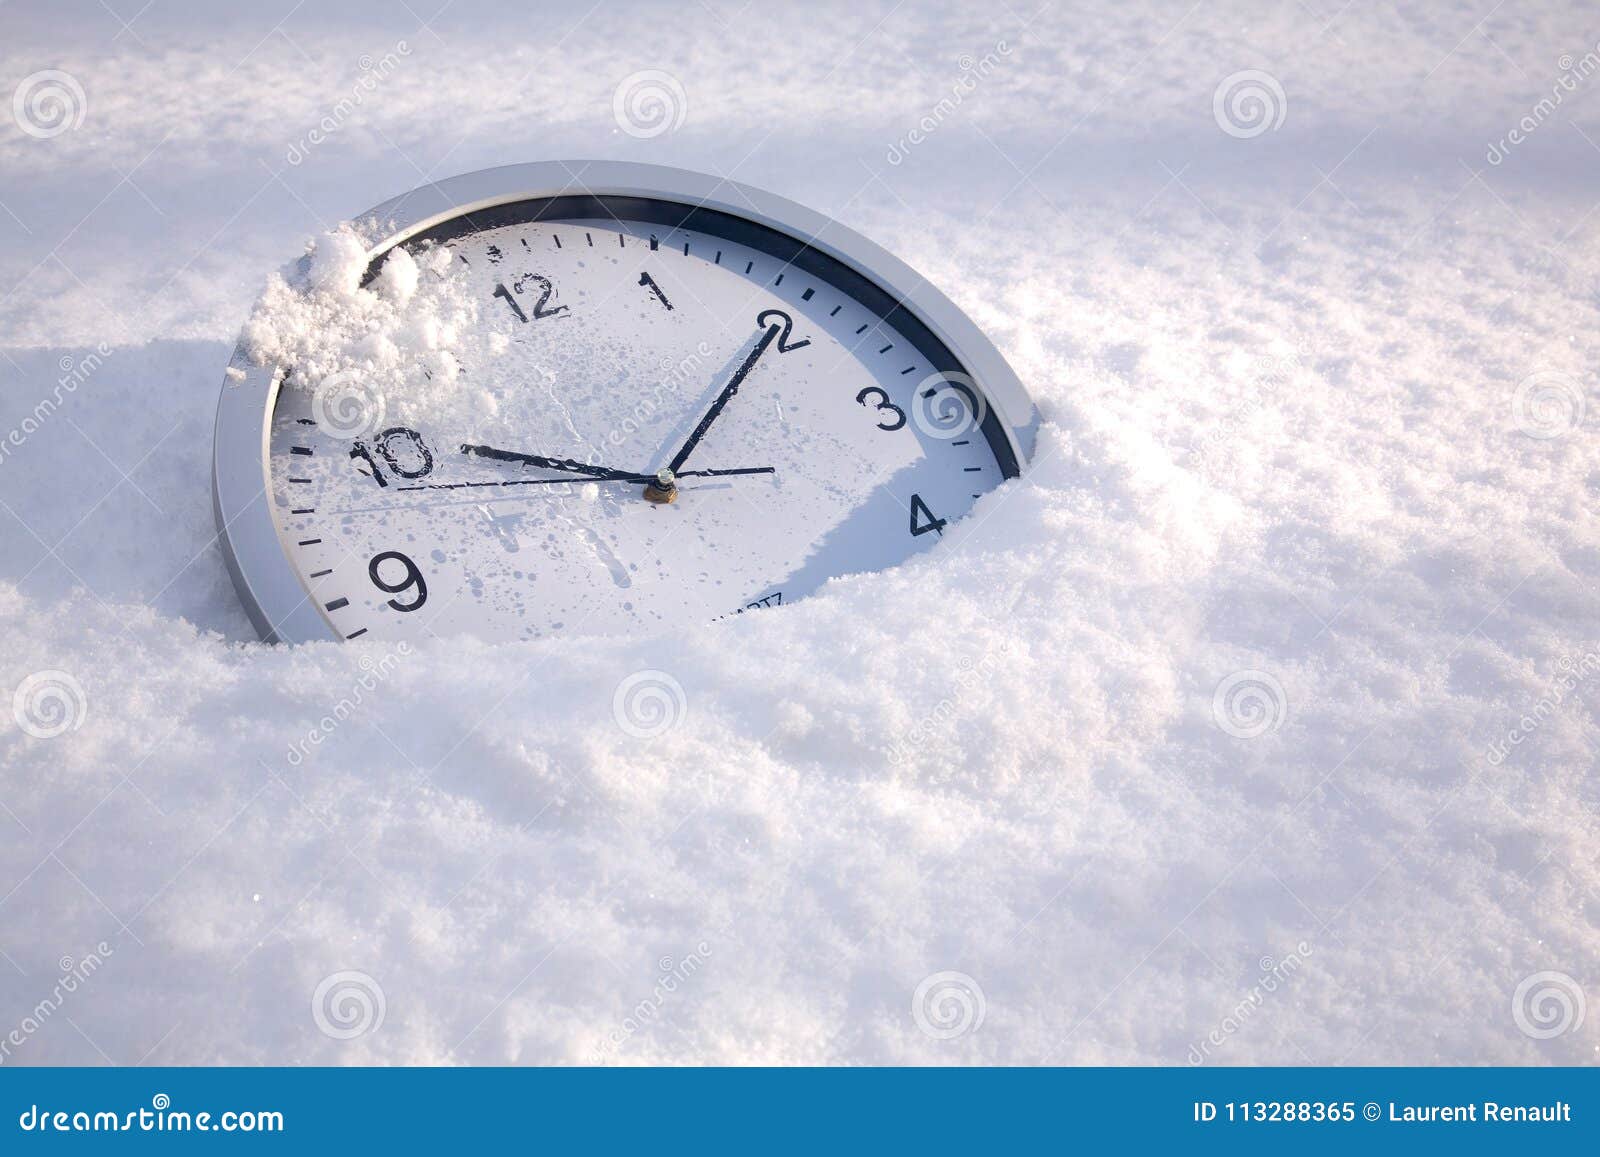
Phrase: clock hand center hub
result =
(663, 488)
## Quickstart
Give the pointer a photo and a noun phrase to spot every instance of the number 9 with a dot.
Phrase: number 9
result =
(413, 579)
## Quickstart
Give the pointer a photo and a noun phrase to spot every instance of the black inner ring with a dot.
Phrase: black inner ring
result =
(792, 251)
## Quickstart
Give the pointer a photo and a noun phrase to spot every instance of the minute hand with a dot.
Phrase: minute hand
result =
(728, 391)
(566, 464)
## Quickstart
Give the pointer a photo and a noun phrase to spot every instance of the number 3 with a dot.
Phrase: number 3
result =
(883, 404)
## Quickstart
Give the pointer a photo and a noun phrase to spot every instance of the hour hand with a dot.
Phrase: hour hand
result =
(568, 465)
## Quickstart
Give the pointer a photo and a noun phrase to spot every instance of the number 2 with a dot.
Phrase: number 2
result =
(785, 324)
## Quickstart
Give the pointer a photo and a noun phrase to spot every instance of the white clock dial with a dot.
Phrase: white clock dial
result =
(658, 421)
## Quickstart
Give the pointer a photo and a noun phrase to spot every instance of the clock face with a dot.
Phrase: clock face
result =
(654, 424)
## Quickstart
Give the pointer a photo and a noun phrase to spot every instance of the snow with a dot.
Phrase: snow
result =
(1257, 724)
(367, 346)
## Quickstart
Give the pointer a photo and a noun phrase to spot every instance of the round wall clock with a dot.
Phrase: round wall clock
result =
(698, 400)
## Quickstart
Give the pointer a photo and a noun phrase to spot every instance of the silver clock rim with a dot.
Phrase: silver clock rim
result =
(274, 594)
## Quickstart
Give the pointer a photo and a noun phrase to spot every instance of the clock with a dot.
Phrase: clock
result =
(674, 399)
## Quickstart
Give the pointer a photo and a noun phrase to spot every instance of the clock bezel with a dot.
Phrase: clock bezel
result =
(271, 588)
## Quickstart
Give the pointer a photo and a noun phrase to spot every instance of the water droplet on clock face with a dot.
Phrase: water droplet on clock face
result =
(643, 428)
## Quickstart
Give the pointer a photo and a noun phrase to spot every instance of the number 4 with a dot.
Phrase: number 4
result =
(919, 509)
